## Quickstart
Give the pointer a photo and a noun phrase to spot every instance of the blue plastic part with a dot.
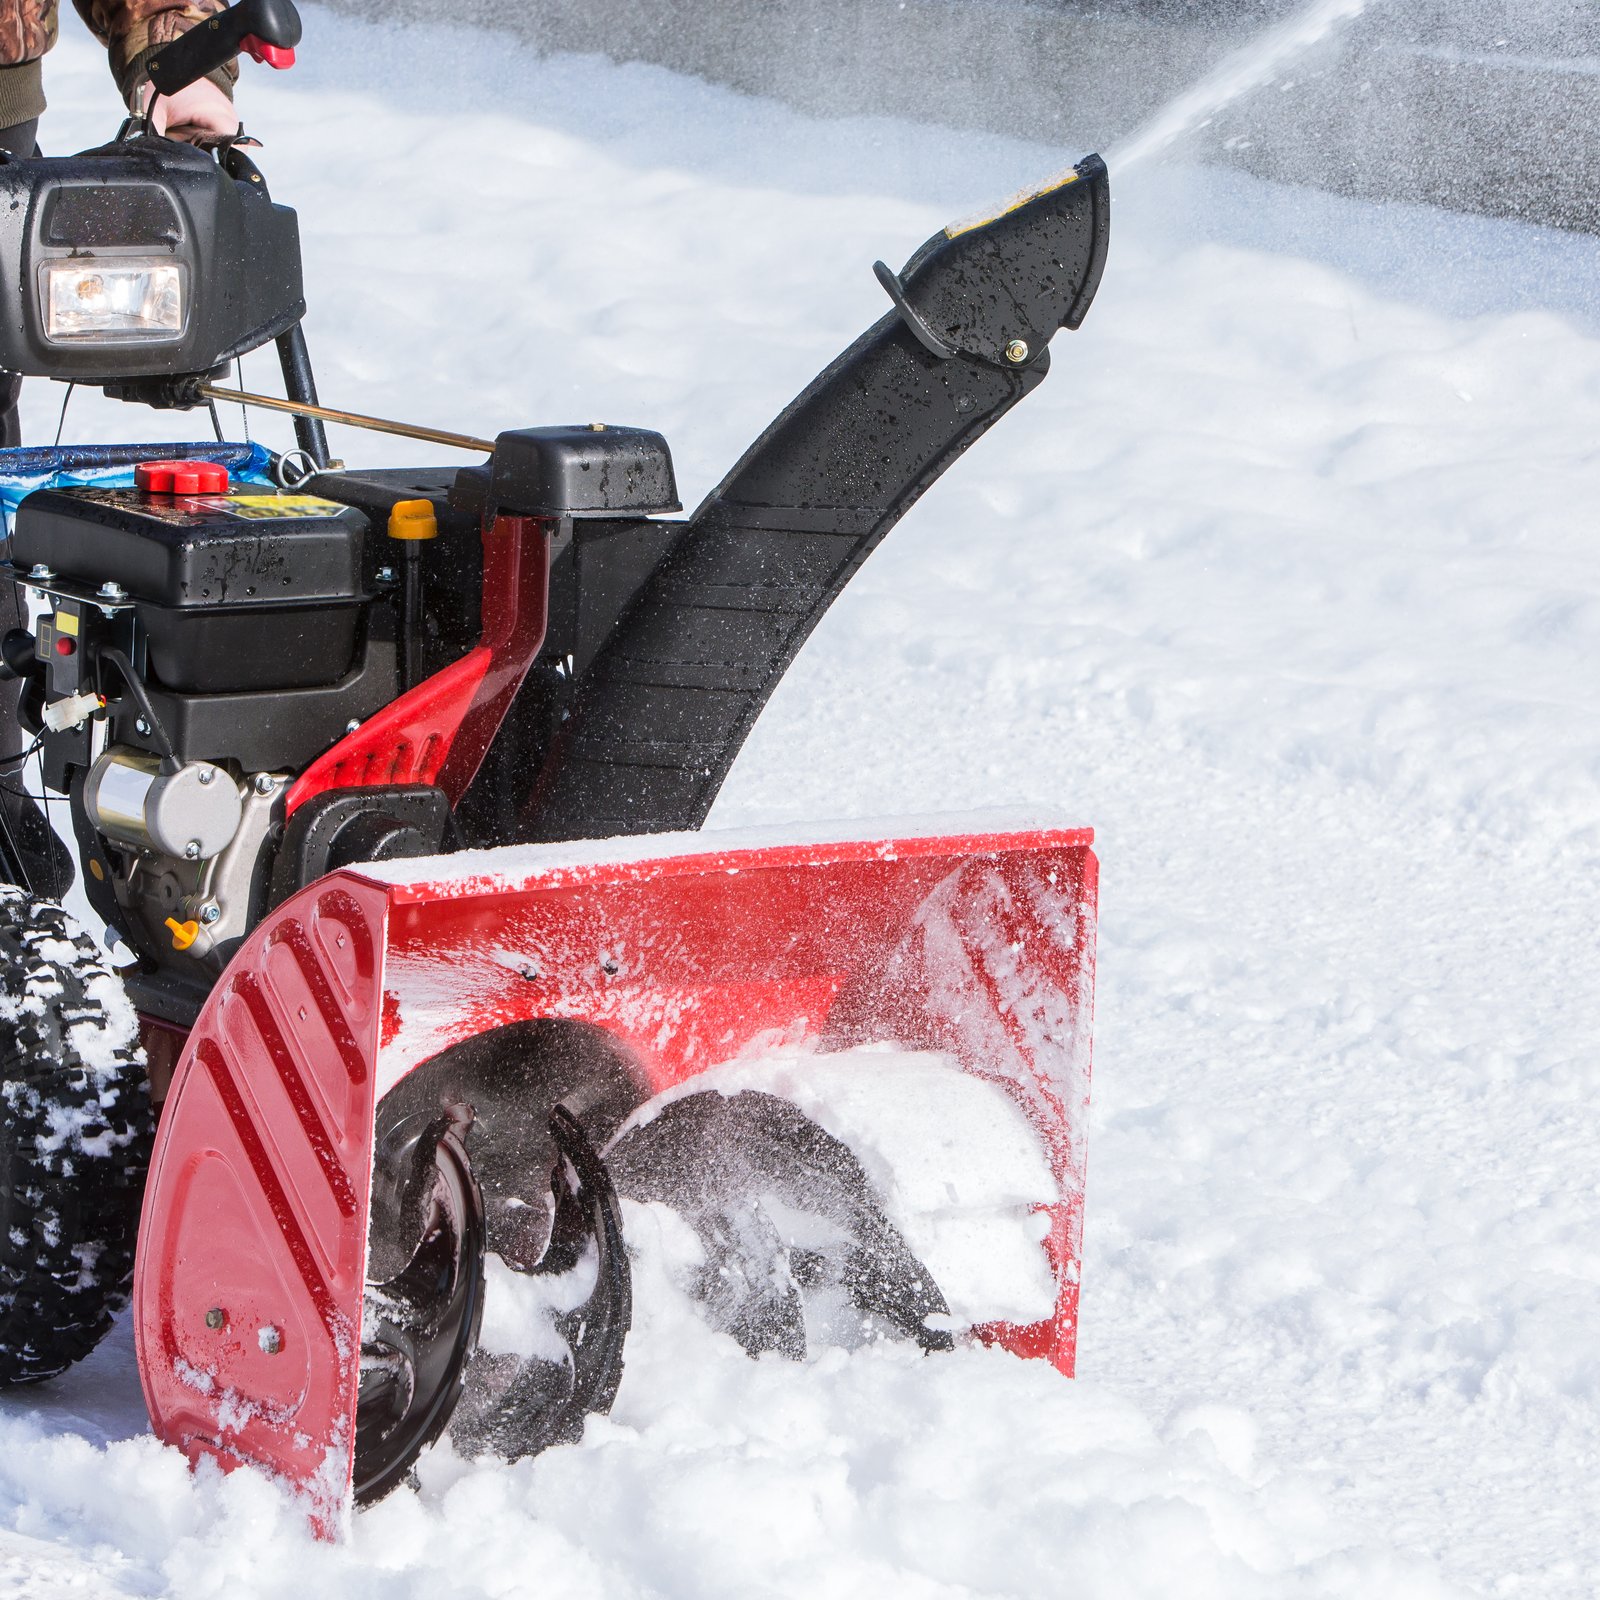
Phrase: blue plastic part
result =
(111, 466)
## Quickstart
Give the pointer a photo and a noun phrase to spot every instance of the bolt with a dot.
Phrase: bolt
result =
(191, 851)
(112, 590)
(270, 1339)
(141, 725)
(385, 574)
(1017, 350)
(210, 912)
(263, 783)
(42, 572)
(215, 1317)
(205, 775)
(352, 725)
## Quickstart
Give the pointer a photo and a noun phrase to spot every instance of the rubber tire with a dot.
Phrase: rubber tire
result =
(75, 1141)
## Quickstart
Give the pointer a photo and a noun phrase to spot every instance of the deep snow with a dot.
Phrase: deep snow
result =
(1286, 582)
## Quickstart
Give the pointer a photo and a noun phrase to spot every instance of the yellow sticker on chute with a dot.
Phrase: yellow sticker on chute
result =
(1015, 203)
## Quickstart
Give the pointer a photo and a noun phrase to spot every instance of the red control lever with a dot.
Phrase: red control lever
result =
(276, 56)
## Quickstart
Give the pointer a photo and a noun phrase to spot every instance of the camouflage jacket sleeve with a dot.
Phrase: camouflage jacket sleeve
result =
(133, 30)
(27, 30)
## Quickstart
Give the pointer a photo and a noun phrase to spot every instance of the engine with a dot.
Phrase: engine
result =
(195, 645)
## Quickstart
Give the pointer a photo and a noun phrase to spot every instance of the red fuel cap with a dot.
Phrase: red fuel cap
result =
(181, 477)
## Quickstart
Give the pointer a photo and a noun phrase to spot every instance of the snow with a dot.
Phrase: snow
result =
(511, 866)
(1285, 582)
(952, 1158)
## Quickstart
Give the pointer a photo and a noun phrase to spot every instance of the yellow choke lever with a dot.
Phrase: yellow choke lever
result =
(184, 934)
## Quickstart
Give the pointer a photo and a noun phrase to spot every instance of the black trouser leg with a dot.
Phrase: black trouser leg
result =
(20, 140)
(10, 415)
(30, 851)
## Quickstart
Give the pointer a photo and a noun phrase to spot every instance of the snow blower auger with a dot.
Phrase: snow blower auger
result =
(430, 1068)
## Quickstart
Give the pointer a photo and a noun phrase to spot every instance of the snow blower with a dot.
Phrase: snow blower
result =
(332, 743)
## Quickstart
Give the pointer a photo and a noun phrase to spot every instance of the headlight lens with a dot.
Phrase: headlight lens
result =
(112, 299)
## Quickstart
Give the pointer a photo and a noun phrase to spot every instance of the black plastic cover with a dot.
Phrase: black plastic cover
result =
(585, 470)
(253, 548)
(652, 730)
(238, 254)
(237, 592)
(1005, 283)
(346, 826)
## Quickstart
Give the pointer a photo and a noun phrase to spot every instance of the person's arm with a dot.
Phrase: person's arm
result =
(132, 31)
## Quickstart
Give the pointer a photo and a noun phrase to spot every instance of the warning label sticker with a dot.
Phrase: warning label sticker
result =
(256, 507)
(196, 510)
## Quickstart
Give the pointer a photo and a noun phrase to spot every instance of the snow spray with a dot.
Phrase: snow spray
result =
(1247, 68)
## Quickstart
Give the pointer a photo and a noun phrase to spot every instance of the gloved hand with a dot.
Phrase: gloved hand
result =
(200, 114)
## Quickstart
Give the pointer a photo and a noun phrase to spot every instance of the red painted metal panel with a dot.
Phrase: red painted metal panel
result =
(439, 731)
(516, 608)
(252, 1251)
(980, 946)
(406, 742)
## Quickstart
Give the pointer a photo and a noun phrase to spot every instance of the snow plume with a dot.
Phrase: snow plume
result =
(1251, 67)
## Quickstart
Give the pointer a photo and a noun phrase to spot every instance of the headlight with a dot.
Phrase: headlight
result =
(112, 299)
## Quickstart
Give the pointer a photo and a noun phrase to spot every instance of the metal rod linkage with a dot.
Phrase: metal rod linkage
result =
(352, 419)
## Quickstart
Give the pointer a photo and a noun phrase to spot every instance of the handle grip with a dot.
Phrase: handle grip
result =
(266, 29)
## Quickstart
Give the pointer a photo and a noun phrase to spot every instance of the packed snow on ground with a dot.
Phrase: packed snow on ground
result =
(1286, 582)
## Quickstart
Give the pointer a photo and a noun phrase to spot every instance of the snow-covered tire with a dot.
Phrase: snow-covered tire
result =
(75, 1135)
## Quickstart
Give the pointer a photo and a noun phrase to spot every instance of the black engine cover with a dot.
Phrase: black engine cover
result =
(243, 591)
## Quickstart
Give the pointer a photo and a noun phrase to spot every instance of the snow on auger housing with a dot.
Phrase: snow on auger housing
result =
(331, 743)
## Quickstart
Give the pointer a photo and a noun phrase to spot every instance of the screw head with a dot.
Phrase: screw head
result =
(112, 590)
(215, 1317)
(210, 912)
(1017, 350)
(270, 1339)
(385, 574)
(205, 775)
(191, 851)
(352, 725)
(40, 570)
(141, 725)
(263, 784)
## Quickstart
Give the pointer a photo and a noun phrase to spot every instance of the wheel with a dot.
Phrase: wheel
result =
(75, 1134)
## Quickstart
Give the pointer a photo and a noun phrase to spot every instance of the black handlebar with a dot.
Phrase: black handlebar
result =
(266, 29)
